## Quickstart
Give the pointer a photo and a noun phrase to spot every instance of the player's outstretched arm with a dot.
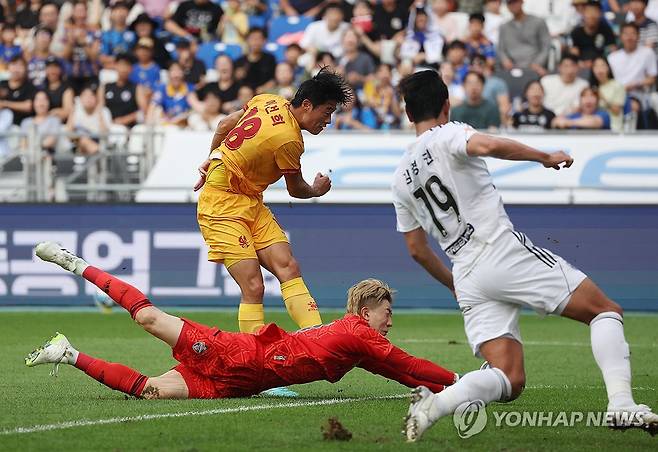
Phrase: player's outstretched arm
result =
(483, 145)
(223, 128)
(410, 370)
(299, 188)
(421, 252)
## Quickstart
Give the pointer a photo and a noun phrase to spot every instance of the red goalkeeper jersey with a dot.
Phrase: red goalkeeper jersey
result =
(327, 352)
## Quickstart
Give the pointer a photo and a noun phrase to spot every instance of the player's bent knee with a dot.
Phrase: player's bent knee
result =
(254, 288)
(517, 380)
(147, 318)
(290, 269)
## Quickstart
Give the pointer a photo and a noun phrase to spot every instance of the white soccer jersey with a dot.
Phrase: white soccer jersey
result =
(439, 187)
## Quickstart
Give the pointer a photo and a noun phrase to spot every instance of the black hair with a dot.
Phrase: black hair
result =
(320, 56)
(593, 81)
(569, 56)
(632, 25)
(476, 16)
(294, 45)
(41, 29)
(9, 25)
(93, 87)
(128, 58)
(49, 3)
(477, 74)
(424, 93)
(529, 84)
(18, 58)
(260, 30)
(326, 86)
(456, 44)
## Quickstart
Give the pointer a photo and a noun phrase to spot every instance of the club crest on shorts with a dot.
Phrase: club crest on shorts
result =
(199, 347)
(244, 243)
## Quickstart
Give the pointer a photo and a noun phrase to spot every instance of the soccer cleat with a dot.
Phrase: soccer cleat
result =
(418, 417)
(280, 392)
(635, 416)
(52, 252)
(56, 350)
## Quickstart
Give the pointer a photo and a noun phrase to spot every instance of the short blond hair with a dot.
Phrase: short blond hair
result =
(369, 292)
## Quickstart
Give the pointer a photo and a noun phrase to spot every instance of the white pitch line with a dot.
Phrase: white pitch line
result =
(539, 343)
(216, 411)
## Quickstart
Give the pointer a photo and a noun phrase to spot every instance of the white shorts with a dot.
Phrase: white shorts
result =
(512, 273)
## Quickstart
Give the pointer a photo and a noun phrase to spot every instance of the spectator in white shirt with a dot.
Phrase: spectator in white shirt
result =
(634, 66)
(89, 121)
(558, 14)
(494, 17)
(325, 35)
(563, 89)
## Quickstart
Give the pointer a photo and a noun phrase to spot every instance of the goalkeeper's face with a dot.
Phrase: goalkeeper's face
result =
(379, 317)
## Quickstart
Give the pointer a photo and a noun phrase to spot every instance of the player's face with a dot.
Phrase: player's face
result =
(317, 118)
(380, 317)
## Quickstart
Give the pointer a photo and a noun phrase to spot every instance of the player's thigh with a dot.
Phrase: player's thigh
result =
(588, 301)
(229, 240)
(266, 230)
(169, 385)
(278, 259)
(165, 327)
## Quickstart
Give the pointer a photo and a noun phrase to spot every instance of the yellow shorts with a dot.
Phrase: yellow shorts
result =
(235, 226)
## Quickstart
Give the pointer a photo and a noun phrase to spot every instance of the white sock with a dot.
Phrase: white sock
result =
(71, 356)
(612, 355)
(487, 385)
(80, 266)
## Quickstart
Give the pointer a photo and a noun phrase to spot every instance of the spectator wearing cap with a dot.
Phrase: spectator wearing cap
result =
(210, 115)
(170, 103)
(477, 43)
(8, 48)
(562, 89)
(82, 48)
(118, 39)
(144, 27)
(234, 24)
(17, 92)
(325, 35)
(195, 20)
(594, 37)
(456, 54)
(145, 71)
(524, 41)
(634, 65)
(193, 68)
(308, 8)
(123, 98)
(256, 68)
(89, 121)
(354, 64)
(534, 117)
(648, 28)
(476, 110)
(36, 66)
(59, 91)
(226, 87)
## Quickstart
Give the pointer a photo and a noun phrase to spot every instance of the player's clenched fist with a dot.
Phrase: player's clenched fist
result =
(555, 159)
(321, 184)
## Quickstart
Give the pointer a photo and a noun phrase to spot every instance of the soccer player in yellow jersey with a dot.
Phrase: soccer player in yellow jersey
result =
(251, 149)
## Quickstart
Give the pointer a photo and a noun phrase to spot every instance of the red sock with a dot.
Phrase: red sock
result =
(125, 295)
(113, 375)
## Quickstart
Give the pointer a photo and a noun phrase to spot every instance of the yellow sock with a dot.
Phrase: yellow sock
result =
(250, 317)
(300, 304)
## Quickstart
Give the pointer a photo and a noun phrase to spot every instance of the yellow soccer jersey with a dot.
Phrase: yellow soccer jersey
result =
(266, 143)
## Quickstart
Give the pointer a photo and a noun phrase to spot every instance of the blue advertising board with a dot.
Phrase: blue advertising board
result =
(158, 248)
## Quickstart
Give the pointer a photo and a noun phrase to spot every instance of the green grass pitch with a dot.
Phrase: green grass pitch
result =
(562, 376)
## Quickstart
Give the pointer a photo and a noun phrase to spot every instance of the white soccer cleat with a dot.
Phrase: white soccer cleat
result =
(418, 417)
(634, 416)
(52, 252)
(57, 350)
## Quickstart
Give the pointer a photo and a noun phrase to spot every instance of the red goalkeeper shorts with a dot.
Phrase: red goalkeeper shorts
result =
(218, 364)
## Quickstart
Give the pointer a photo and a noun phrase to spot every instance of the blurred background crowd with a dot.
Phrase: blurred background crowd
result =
(92, 66)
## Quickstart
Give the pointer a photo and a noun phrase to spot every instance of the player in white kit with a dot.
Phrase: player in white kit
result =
(442, 188)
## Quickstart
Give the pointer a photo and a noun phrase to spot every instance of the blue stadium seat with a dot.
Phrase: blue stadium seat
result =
(284, 24)
(277, 50)
(209, 51)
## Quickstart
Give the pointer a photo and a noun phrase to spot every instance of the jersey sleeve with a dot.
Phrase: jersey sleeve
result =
(457, 139)
(287, 157)
(405, 220)
(375, 345)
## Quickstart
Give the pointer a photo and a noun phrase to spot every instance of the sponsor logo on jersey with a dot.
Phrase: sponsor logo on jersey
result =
(462, 240)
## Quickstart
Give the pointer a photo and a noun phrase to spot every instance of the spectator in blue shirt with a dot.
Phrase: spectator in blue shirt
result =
(456, 54)
(118, 39)
(477, 43)
(588, 116)
(145, 72)
(170, 104)
(8, 50)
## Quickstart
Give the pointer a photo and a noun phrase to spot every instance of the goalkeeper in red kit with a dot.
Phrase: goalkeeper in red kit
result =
(218, 364)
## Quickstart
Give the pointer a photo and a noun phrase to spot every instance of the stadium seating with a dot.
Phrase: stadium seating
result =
(209, 51)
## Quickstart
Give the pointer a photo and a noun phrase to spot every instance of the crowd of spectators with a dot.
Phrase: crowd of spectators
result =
(93, 66)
